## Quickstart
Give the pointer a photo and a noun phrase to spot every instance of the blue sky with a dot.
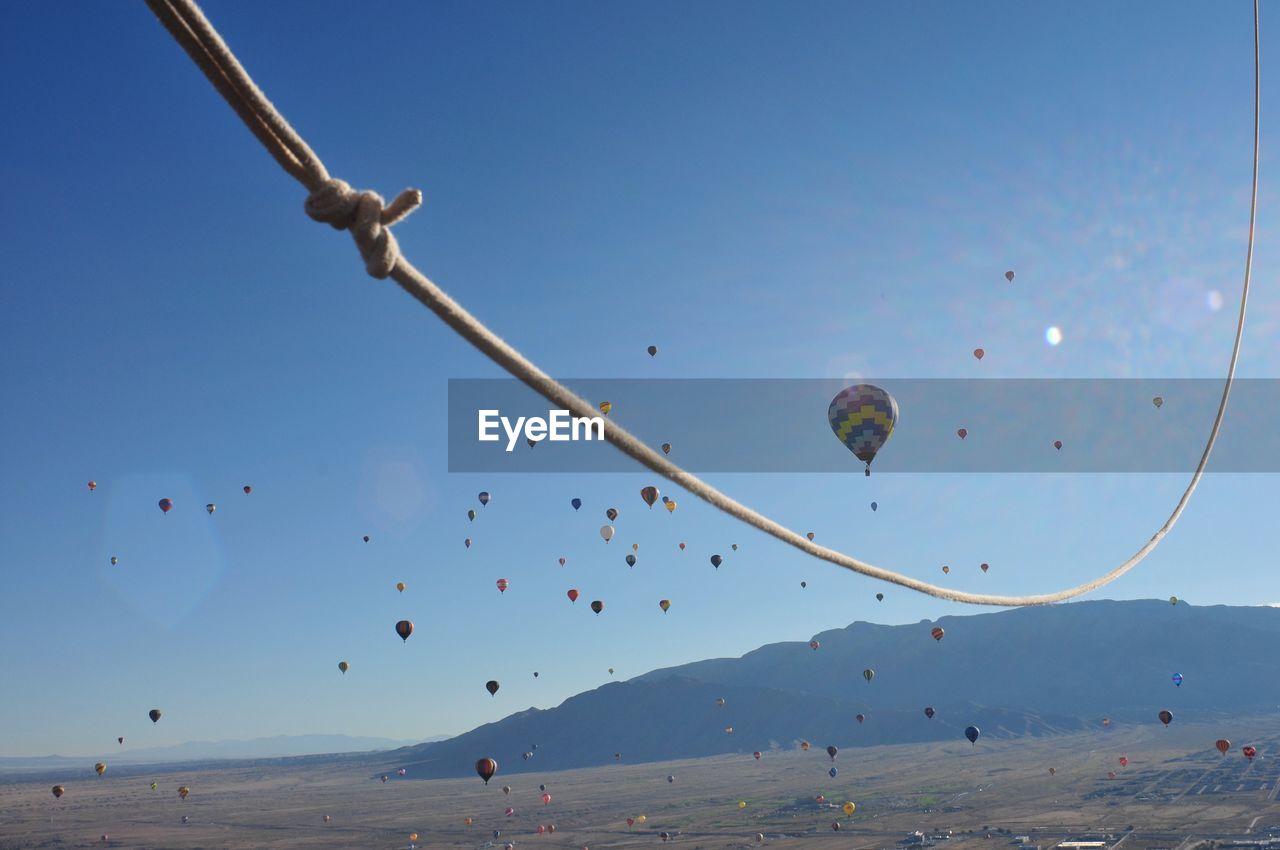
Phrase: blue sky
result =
(760, 190)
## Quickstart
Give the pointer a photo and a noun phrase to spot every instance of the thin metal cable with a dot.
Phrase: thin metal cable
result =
(335, 203)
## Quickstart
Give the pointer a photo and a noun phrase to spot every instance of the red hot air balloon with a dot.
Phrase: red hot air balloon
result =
(650, 496)
(1124, 761)
(486, 768)
(58, 791)
(1166, 717)
(962, 433)
(979, 353)
(502, 584)
(937, 632)
(984, 567)
(1249, 752)
(597, 606)
(1223, 745)
(166, 505)
(404, 628)
(573, 594)
(1008, 276)
(1057, 444)
(546, 799)
(93, 485)
(562, 562)
(681, 547)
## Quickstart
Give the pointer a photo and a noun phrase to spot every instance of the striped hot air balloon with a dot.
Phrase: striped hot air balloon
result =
(862, 417)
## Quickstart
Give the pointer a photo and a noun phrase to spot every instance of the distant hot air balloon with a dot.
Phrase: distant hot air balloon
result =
(929, 712)
(114, 560)
(166, 505)
(576, 503)
(879, 597)
(681, 547)
(506, 789)
(860, 717)
(1057, 444)
(810, 535)
(611, 673)
(502, 584)
(471, 515)
(671, 778)
(119, 740)
(1111, 774)
(848, 808)
(813, 644)
(605, 407)
(491, 686)
(400, 586)
(611, 514)
(1008, 276)
(1177, 680)
(945, 569)
(183, 791)
(653, 349)
(803, 585)
(1157, 401)
(666, 448)
(874, 506)
(1223, 745)
(1052, 771)
(650, 495)
(979, 353)
(484, 498)
(831, 751)
(366, 538)
(93, 485)
(485, 769)
(671, 506)
(938, 633)
(100, 768)
(733, 546)
(598, 606)
(835, 825)
(972, 734)
(155, 785)
(573, 594)
(984, 567)
(804, 745)
(344, 666)
(742, 804)
(401, 772)
(211, 507)
(606, 531)
(467, 542)
(868, 674)
(404, 628)
(720, 701)
(1124, 761)
(1106, 721)
(862, 417)
(833, 772)
(154, 714)
(1166, 717)
(1173, 600)
(716, 561)
(665, 605)
(247, 489)
(962, 433)
(631, 560)
(756, 755)
(1249, 752)
(58, 791)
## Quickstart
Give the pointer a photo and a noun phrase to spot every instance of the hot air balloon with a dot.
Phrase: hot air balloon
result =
(831, 751)
(666, 448)
(650, 495)
(467, 542)
(611, 673)
(868, 674)
(681, 547)
(1052, 771)
(1166, 717)
(979, 353)
(879, 597)
(862, 417)
(733, 546)
(665, 605)
(344, 666)
(860, 717)
(502, 584)
(716, 561)
(93, 485)
(1249, 753)
(728, 730)
(404, 628)
(929, 712)
(1124, 761)
(546, 799)
(247, 489)
(972, 734)
(671, 778)
(58, 790)
(366, 538)
(401, 772)
(756, 755)
(576, 503)
(653, 349)
(945, 569)
(631, 560)
(984, 567)
(183, 791)
(606, 531)
(1173, 600)
(937, 632)
(471, 515)
(803, 585)
(506, 789)
(810, 535)
(573, 594)
(413, 836)
(720, 701)
(611, 514)
(813, 644)
(166, 505)
(154, 714)
(1157, 401)
(962, 433)
(119, 740)
(484, 498)
(833, 772)
(155, 785)
(671, 506)
(875, 507)
(100, 768)
(485, 769)
(1223, 745)
(804, 745)
(400, 586)
(598, 606)
(1111, 774)
(468, 821)
(835, 825)
(1008, 276)
(114, 560)
(211, 507)
(742, 804)
(1057, 444)
(848, 808)
(605, 407)
(1177, 680)
(1106, 721)
(491, 686)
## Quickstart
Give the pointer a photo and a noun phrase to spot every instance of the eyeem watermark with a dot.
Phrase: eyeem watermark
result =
(559, 426)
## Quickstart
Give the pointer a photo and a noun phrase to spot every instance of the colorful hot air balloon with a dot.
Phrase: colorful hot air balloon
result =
(848, 808)
(716, 561)
(831, 751)
(1106, 721)
(671, 506)
(1057, 444)
(211, 507)
(93, 485)
(154, 714)
(756, 755)
(929, 712)
(486, 768)
(502, 584)
(810, 535)
(681, 546)
(631, 560)
(484, 498)
(400, 586)
(1157, 401)
(1166, 717)
(972, 734)
(666, 448)
(1124, 761)
(166, 505)
(404, 628)
(862, 417)
(1249, 753)
(155, 785)
(665, 605)
(605, 407)
(606, 531)
(344, 666)
(938, 633)
(813, 644)
(491, 686)
(833, 772)
(650, 495)
(611, 514)
(247, 489)
(945, 569)
(653, 349)
(573, 594)
(598, 606)
(576, 503)
(1223, 745)
(868, 674)
(183, 791)
(58, 791)
(979, 353)
(804, 745)
(100, 768)
(1177, 680)
(1173, 600)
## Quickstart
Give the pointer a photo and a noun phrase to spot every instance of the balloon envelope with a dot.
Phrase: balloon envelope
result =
(404, 628)
(598, 606)
(1166, 717)
(863, 417)
(486, 768)
(166, 505)
(491, 686)
(972, 734)
(154, 714)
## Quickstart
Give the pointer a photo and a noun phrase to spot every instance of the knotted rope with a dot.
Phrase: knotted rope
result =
(334, 202)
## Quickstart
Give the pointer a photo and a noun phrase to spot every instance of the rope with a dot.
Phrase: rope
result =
(336, 203)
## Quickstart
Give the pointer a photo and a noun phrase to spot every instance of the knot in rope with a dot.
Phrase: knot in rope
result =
(335, 203)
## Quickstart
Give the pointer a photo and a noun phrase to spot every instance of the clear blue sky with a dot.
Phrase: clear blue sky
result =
(761, 190)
